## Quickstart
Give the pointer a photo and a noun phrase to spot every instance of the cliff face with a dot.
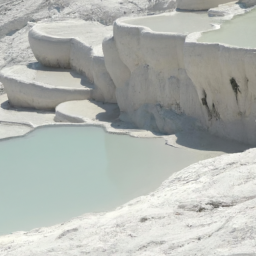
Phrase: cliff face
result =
(169, 82)
(152, 86)
(226, 88)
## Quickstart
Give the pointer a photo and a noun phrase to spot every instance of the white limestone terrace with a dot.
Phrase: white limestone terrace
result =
(69, 44)
(145, 71)
(165, 78)
(146, 64)
(35, 86)
(75, 44)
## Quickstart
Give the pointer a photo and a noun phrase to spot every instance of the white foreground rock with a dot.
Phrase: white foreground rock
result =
(170, 82)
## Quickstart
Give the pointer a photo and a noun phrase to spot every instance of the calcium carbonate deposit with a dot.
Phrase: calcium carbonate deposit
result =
(178, 81)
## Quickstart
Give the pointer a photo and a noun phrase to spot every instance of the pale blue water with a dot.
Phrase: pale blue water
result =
(56, 173)
(240, 31)
(176, 22)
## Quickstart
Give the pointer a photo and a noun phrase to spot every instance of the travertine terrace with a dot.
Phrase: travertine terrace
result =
(139, 78)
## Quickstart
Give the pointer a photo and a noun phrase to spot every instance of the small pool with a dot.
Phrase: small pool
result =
(54, 77)
(89, 32)
(240, 31)
(56, 173)
(176, 22)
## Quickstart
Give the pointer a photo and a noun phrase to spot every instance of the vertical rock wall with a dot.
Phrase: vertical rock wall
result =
(152, 86)
(168, 83)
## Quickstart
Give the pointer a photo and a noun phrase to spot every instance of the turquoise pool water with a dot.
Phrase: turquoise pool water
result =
(56, 173)
(240, 31)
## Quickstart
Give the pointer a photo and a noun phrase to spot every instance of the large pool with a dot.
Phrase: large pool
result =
(240, 31)
(56, 173)
(175, 22)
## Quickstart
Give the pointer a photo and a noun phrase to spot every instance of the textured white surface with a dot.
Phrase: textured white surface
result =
(152, 86)
(75, 44)
(169, 82)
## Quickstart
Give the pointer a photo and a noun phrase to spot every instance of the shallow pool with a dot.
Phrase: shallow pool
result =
(56, 173)
(240, 31)
(176, 22)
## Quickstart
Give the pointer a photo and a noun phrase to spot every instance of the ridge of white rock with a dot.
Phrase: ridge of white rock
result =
(152, 86)
(14, 15)
(152, 75)
(75, 44)
(82, 111)
(167, 81)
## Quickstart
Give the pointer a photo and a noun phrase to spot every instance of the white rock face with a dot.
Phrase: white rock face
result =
(169, 82)
(152, 86)
(197, 5)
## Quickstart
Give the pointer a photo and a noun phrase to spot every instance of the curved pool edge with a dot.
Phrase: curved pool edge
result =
(72, 52)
